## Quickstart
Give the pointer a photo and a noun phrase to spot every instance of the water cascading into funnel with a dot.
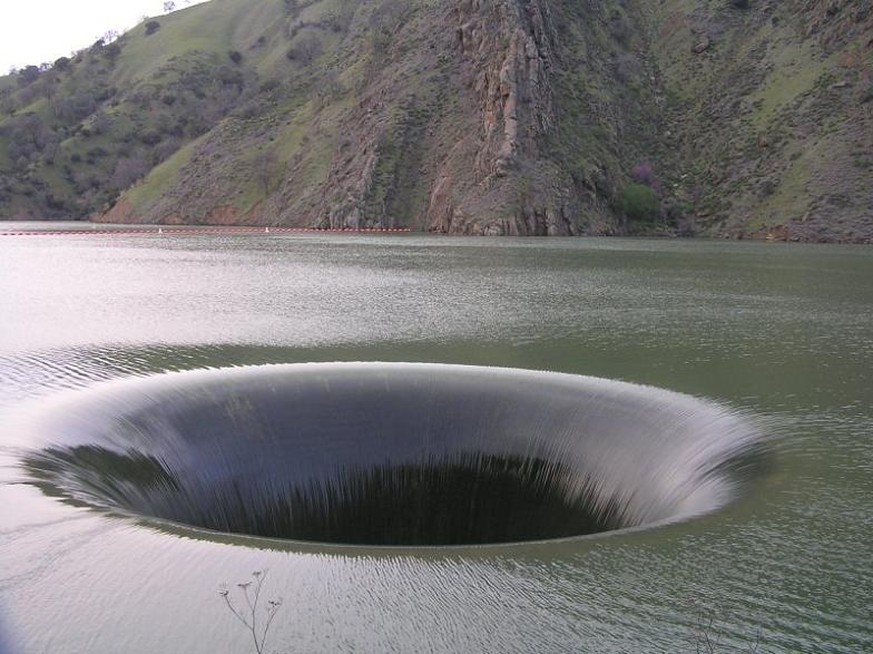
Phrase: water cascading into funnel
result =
(392, 454)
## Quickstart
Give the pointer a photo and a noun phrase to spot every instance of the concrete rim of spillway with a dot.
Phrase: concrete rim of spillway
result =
(662, 456)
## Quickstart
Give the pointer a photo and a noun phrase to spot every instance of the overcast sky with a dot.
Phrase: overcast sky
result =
(37, 31)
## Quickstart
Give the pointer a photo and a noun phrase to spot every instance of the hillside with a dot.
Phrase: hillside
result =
(726, 118)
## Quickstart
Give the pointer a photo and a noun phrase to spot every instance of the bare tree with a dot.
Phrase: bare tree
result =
(7, 101)
(128, 171)
(266, 168)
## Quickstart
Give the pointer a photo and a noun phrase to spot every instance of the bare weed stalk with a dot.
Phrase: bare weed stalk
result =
(257, 622)
(707, 639)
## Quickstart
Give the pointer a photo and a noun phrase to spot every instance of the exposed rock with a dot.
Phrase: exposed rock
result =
(521, 117)
(702, 46)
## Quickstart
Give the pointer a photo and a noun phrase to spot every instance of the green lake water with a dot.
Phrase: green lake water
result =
(781, 334)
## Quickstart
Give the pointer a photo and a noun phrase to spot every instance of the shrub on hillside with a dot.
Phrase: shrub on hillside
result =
(112, 51)
(640, 203)
(28, 75)
(305, 50)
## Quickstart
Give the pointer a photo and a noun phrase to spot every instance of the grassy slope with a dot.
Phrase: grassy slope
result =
(214, 27)
(764, 131)
(247, 156)
(187, 54)
(767, 119)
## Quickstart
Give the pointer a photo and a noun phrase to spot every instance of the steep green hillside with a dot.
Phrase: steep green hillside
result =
(716, 117)
(769, 111)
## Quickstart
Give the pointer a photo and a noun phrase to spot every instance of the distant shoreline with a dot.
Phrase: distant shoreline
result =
(189, 230)
(75, 228)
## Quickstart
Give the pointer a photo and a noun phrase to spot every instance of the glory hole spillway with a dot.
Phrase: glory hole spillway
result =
(376, 454)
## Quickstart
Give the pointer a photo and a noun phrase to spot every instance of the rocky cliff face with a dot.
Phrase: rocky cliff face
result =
(528, 162)
(529, 117)
(461, 149)
(505, 50)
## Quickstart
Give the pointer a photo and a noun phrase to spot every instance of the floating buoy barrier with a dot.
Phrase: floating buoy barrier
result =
(206, 230)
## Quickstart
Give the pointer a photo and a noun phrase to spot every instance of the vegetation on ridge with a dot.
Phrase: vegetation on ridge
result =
(505, 117)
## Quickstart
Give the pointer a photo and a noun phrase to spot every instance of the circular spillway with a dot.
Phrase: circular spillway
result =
(392, 454)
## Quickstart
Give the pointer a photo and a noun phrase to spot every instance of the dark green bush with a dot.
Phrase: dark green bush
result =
(640, 203)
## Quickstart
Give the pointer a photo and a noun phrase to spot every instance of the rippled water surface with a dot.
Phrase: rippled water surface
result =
(779, 335)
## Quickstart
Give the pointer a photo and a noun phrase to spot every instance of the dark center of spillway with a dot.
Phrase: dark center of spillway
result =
(392, 454)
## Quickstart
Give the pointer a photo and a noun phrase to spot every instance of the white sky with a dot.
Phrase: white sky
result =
(37, 31)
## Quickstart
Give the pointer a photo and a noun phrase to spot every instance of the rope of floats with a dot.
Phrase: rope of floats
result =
(187, 231)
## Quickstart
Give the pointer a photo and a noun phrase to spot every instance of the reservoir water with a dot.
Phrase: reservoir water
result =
(722, 390)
